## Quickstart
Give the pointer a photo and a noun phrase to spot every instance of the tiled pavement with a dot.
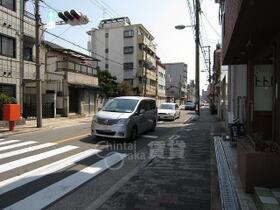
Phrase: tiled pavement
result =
(179, 183)
(268, 199)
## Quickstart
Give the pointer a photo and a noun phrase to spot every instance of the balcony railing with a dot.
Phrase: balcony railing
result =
(29, 15)
(75, 67)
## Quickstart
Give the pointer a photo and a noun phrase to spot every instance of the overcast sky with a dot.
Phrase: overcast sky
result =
(158, 16)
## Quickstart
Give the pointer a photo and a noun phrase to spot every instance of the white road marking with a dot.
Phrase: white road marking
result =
(31, 159)
(16, 145)
(55, 191)
(173, 137)
(14, 182)
(25, 150)
(149, 136)
(9, 142)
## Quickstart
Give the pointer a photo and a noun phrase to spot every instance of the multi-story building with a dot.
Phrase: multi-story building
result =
(176, 81)
(191, 91)
(17, 66)
(127, 51)
(71, 84)
(161, 92)
(251, 47)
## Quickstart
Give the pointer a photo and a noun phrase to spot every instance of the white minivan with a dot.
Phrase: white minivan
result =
(125, 117)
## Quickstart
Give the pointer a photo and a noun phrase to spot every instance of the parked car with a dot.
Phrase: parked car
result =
(168, 111)
(190, 105)
(125, 117)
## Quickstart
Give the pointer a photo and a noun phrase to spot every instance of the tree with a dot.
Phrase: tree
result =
(107, 83)
(125, 89)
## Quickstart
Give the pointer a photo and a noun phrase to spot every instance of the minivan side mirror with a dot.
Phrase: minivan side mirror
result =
(141, 111)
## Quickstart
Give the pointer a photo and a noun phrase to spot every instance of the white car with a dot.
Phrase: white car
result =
(168, 111)
(125, 117)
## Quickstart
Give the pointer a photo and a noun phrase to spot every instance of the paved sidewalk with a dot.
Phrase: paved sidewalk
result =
(174, 183)
(49, 123)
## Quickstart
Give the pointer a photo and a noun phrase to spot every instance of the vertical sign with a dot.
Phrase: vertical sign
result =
(51, 17)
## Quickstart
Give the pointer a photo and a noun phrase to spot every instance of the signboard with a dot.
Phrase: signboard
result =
(51, 17)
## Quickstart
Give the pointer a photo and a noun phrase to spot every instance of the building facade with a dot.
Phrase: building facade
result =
(17, 66)
(161, 84)
(252, 54)
(71, 84)
(176, 81)
(127, 51)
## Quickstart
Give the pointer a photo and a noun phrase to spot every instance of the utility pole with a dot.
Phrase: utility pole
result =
(38, 75)
(21, 63)
(197, 42)
(145, 73)
(180, 89)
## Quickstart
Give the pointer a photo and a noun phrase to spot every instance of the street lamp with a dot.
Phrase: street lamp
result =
(196, 26)
(180, 27)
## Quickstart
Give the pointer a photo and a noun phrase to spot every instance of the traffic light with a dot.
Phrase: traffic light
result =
(73, 17)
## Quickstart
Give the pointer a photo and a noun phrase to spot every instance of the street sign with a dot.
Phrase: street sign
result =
(51, 17)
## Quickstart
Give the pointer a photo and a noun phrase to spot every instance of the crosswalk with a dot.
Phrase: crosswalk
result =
(36, 161)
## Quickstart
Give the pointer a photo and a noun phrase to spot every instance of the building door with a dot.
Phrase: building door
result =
(74, 98)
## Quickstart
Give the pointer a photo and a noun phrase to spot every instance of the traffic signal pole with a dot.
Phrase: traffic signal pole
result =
(38, 65)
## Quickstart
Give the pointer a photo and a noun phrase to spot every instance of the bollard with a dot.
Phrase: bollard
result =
(11, 125)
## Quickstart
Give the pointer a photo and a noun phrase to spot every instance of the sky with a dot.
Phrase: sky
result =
(158, 16)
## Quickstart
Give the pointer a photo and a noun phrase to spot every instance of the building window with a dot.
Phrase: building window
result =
(106, 66)
(128, 66)
(9, 4)
(106, 50)
(106, 35)
(128, 33)
(128, 50)
(7, 46)
(129, 81)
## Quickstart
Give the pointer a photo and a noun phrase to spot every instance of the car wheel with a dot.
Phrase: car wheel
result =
(154, 126)
(133, 134)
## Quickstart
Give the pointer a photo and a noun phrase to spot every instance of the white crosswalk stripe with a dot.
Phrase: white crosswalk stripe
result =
(25, 150)
(50, 194)
(8, 142)
(17, 145)
(62, 186)
(27, 160)
(30, 176)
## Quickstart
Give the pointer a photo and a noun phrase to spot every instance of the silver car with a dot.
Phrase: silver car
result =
(125, 117)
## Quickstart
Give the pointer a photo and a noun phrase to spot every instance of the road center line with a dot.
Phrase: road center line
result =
(71, 138)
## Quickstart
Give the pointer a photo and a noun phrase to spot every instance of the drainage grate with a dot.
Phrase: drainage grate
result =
(228, 194)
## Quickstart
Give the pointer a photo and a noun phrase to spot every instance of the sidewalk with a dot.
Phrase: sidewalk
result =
(49, 123)
(183, 182)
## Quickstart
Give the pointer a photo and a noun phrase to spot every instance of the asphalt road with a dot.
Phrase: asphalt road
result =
(66, 168)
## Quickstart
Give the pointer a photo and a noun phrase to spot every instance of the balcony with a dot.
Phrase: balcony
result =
(248, 27)
(75, 67)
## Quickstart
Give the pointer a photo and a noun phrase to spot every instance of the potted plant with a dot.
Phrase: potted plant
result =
(10, 110)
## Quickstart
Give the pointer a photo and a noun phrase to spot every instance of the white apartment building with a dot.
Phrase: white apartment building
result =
(127, 51)
(176, 81)
(161, 84)
(17, 66)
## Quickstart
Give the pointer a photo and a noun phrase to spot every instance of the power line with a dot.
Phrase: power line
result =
(62, 33)
(108, 6)
(219, 35)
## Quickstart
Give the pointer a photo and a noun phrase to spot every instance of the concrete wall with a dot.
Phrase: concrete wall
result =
(237, 91)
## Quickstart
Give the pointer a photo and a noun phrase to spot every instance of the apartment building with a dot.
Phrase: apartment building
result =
(176, 81)
(17, 66)
(161, 84)
(127, 51)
